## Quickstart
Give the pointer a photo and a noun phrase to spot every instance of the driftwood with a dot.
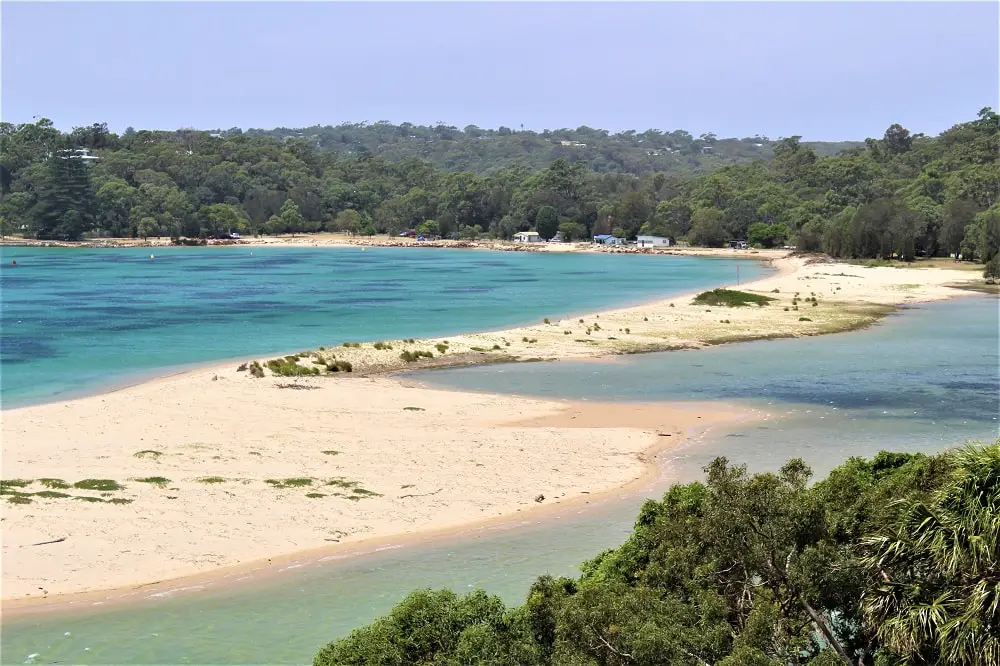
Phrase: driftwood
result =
(43, 543)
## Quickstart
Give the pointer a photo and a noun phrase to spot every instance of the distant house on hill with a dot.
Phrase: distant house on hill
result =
(652, 241)
(76, 153)
(608, 239)
(527, 237)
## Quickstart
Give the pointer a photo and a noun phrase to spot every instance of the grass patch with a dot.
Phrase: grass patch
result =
(57, 484)
(364, 492)
(382, 345)
(341, 482)
(289, 367)
(411, 356)
(731, 298)
(356, 345)
(155, 480)
(118, 500)
(413, 409)
(331, 452)
(19, 499)
(51, 494)
(256, 370)
(210, 479)
(441, 347)
(296, 482)
(315, 495)
(337, 365)
(804, 319)
(15, 483)
(83, 498)
(98, 484)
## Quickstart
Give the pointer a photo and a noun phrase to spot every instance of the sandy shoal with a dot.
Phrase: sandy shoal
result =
(460, 458)
(219, 436)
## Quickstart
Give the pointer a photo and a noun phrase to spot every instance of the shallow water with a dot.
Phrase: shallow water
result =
(921, 381)
(77, 320)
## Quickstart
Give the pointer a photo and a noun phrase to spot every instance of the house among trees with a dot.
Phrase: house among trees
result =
(527, 237)
(78, 153)
(652, 241)
(608, 239)
(738, 244)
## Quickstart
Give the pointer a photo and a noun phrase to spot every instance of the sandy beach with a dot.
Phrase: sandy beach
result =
(214, 468)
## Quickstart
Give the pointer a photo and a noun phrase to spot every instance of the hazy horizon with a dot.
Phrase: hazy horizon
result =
(825, 71)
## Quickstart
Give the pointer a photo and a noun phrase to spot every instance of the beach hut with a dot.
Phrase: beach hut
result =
(652, 241)
(607, 239)
(527, 237)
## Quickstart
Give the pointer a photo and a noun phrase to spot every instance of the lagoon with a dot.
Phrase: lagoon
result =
(921, 380)
(75, 321)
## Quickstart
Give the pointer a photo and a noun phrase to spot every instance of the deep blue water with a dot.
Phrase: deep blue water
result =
(77, 320)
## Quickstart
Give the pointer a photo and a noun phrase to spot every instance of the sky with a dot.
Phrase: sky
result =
(825, 71)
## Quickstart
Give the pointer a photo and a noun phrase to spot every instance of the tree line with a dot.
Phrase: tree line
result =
(486, 150)
(899, 196)
(890, 560)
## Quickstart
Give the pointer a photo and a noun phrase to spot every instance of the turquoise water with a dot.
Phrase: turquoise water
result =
(76, 320)
(921, 381)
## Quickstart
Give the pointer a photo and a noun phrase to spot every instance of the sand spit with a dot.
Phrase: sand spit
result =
(810, 296)
(217, 472)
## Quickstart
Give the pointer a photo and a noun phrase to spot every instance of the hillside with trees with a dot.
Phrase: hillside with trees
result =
(487, 150)
(892, 560)
(898, 196)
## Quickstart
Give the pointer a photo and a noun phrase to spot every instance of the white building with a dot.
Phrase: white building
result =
(652, 241)
(527, 237)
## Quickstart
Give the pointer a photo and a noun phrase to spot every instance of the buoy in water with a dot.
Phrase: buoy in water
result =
(151, 257)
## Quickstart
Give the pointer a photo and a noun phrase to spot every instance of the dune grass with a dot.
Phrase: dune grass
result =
(731, 298)
(154, 480)
(147, 453)
(296, 482)
(98, 484)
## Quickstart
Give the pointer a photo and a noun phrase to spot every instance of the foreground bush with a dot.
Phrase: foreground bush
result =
(891, 560)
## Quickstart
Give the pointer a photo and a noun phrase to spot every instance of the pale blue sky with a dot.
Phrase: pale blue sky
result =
(825, 71)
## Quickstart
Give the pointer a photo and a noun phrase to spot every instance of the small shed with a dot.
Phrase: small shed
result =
(607, 239)
(527, 237)
(738, 244)
(652, 241)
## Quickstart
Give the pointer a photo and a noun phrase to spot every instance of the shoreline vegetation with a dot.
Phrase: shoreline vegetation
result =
(891, 559)
(254, 458)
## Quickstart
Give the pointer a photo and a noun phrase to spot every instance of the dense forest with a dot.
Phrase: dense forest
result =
(899, 196)
(887, 561)
(487, 150)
